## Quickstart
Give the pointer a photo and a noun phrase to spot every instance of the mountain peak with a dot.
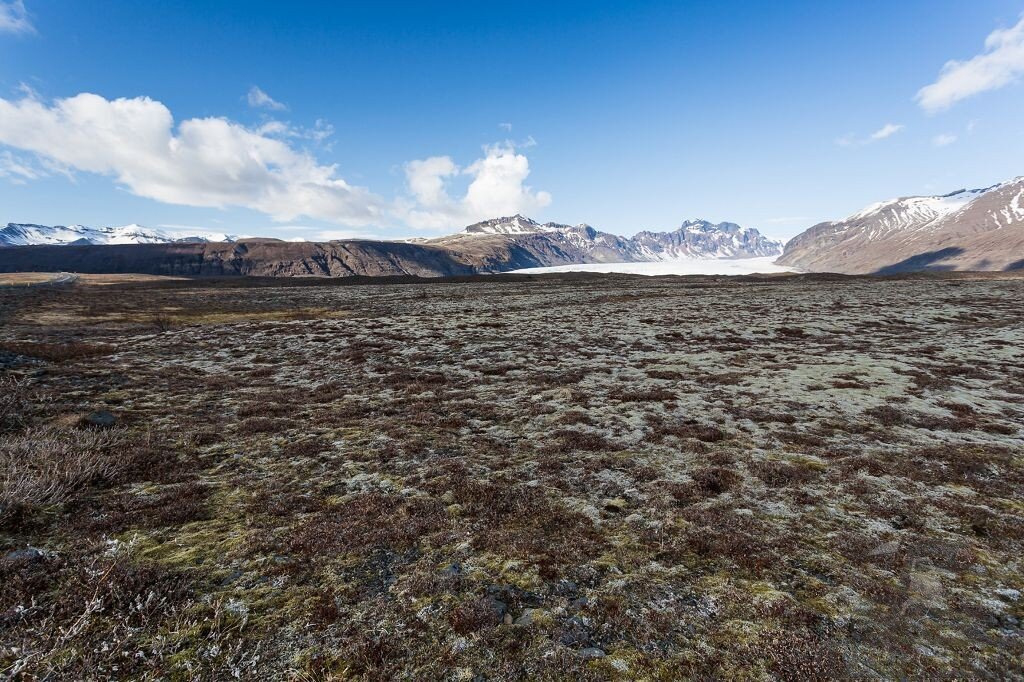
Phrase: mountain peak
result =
(965, 229)
(516, 224)
(693, 239)
(25, 234)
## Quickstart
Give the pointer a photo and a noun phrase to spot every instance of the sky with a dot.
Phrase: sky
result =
(393, 119)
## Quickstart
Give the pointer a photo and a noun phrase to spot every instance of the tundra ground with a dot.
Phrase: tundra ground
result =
(583, 477)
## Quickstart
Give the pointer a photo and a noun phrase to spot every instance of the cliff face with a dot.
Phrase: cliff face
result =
(268, 258)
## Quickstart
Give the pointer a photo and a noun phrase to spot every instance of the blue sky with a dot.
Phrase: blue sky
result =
(411, 119)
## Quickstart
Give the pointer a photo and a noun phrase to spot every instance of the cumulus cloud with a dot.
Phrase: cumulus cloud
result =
(211, 162)
(14, 17)
(261, 100)
(1002, 63)
(852, 140)
(496, 188)
(944, 139)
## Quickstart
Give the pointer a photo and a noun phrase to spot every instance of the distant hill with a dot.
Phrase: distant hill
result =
(978, 229)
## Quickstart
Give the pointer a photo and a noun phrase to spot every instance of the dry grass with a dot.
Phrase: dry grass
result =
(48, 465)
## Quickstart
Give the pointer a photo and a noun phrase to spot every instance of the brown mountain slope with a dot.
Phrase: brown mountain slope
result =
(967, 230)
(260, 257)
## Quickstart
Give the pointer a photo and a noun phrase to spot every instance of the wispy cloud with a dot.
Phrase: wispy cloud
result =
(1002, 63)
(320, 131)
(17, 171)
(261, 100)
(886, 131)
(944, 139)
(507, 127)
(14, 17)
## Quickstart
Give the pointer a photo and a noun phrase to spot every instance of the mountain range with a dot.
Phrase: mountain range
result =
(26, 234)
(496, 245)
(978, 229)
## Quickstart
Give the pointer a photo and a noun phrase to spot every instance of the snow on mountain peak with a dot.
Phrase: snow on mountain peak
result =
(918, 211)
(516, 224)
(26, 234)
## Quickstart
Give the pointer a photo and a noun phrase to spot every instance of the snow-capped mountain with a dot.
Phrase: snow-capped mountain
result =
(701, 238)
(516, 224)
(23, 234)
(980, 229)
(693, 239)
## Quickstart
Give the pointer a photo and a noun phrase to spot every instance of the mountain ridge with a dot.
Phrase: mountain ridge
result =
(31, 234)
(498, 245)
(968, 229)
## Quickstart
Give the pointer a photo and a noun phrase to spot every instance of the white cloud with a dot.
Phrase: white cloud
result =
(888, 130)
(507, 127)
(17, 170)
(496, 189)
(259, 99)
(210, 162)
(320, 131)
(14, 18)
(1001, 64)
(943, 139)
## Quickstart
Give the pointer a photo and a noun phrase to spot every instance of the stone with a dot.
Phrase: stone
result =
(452, 570)
(591, 653)
(25, 554)
(498, 607)
(100, 419)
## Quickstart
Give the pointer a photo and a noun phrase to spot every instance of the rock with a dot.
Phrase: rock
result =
(507, 620)
(100, 419)
(25, 554)
(591, 653)
(566, 587)
(576, 633)
(452, 570)
(231, 577)
(498, 607)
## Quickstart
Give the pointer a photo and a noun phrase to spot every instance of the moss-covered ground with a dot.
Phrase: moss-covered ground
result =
(581, 477)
